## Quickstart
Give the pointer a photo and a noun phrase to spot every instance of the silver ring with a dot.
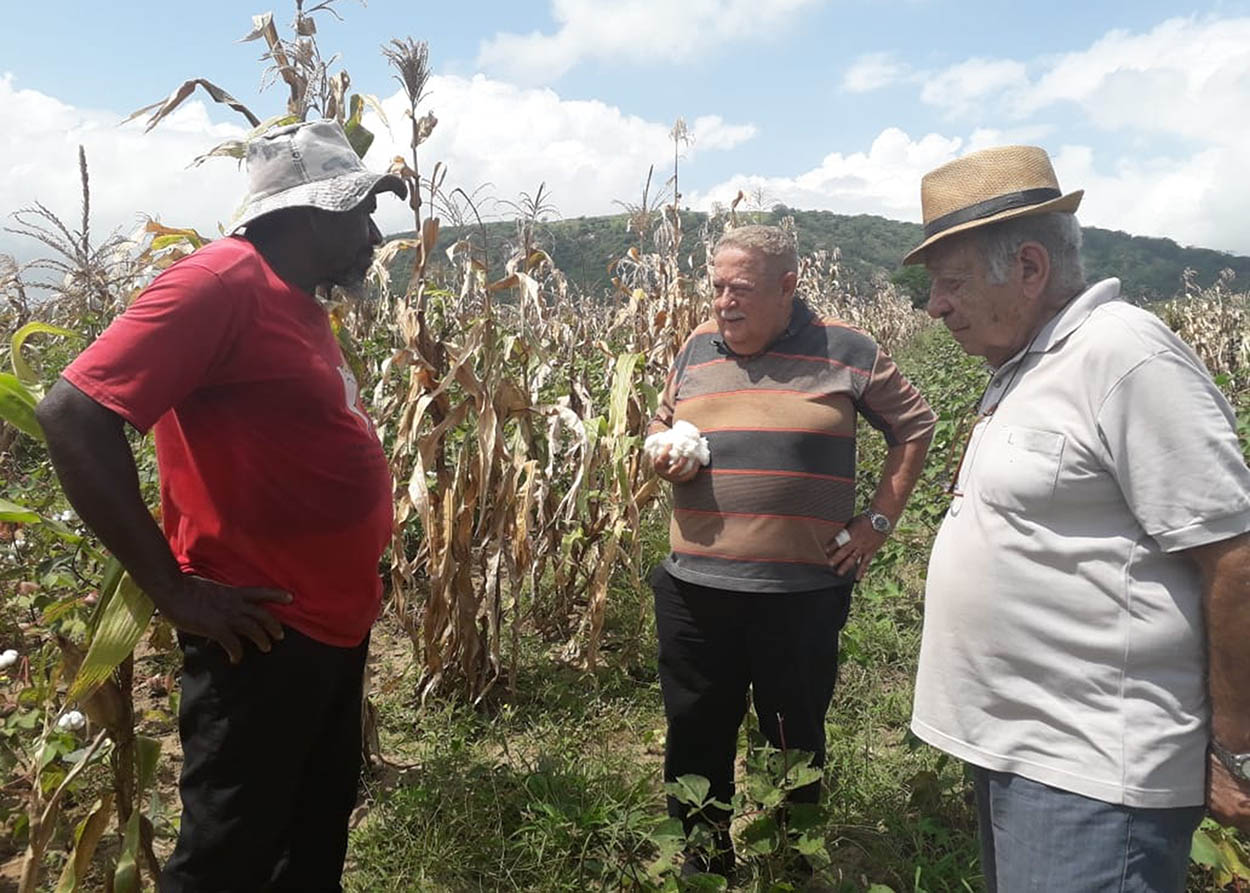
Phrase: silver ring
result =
(842, 537)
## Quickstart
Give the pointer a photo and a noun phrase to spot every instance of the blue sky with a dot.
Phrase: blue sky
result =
(815, 103)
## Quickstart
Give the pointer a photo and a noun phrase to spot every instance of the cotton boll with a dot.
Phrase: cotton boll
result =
(8, 658)
(71, 721)
(683, 441)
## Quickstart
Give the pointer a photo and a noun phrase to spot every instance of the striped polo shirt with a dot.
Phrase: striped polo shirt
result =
(780, 425)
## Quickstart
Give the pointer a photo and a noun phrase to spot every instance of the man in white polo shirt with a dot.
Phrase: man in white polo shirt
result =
(1094, 553)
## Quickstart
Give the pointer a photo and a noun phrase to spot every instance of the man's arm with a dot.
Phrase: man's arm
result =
(903, 464)
(1225, 568)
(88, 447)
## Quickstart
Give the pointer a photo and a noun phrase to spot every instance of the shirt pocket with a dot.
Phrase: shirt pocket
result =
(1019, 468)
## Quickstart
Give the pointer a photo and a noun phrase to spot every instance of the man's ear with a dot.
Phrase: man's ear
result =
(789, 282)
(1034, 269)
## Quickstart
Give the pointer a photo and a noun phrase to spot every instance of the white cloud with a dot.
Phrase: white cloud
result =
(512, 138)
(130, 172)
(884, 180)
(963, 88)
(633, 32)
(1196, 200)
(711, 132)
(873, 71)
(1186, 78)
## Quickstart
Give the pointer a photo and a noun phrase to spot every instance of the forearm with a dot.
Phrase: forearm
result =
(1226, 597)
(88, 448)
(903, 464)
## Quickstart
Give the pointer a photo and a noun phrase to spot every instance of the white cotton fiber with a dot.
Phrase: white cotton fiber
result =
(683, 441)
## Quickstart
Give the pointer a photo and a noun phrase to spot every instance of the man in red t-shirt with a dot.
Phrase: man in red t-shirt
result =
(275, 502)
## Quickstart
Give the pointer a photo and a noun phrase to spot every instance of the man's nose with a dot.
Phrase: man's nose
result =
(937, 306)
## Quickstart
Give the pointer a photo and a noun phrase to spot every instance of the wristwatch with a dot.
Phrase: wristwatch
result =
(879, 522)
(1238, 764)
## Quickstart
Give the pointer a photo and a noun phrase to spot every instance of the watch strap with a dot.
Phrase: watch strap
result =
(1236, 763)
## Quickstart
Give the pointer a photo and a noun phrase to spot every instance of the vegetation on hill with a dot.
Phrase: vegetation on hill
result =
(869, 248)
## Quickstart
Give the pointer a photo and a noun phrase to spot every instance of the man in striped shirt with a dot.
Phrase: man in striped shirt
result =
(766, 544)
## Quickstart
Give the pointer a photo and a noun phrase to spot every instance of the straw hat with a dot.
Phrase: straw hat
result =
(986, 187)
(312, 165)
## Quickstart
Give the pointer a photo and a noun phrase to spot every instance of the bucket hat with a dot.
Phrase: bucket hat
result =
(309, 164)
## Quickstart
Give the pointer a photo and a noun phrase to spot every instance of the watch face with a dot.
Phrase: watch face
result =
(880, 523)
(1241, 767)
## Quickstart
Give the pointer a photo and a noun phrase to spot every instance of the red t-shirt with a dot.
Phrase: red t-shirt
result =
(271, 473)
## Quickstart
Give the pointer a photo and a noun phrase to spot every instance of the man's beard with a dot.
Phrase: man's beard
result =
(353, 281)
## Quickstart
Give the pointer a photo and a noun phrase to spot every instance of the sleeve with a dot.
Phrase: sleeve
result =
(1172, 447)
(666, 409)
(165, 345)
(662, 420)
(892, 405)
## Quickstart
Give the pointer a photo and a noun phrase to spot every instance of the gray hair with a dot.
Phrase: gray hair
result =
(1057, 232)
(773, 242)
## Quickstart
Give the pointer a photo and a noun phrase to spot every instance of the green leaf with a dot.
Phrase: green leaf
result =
(762, 836)
(121, 626)
(17, 514)
(668, 829)
(126, 877)
(1204, 851)
(17, 406)
(879, 888)
(86, 837)
(53, 526)
(622, 390)
(710, 882)
(357, 134)
(147, 754)
(689, 789)
(805, 816)
(21, 368)
(809, 845)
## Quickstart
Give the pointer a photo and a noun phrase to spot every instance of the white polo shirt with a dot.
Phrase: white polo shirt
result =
(1063, 636)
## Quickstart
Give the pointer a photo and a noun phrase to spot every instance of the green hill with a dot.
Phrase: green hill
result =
(586, 248)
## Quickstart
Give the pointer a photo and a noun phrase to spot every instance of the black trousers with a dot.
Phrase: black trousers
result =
(714, 644)
(271, 765)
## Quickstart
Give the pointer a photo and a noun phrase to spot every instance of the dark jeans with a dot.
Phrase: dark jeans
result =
(271, 764)
(714, 644)
(1038, 839)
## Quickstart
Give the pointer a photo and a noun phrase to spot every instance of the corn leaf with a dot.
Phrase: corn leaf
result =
(86, 838)
(120, 628)
(113, 572)
(126, 876)
(358, 135)
(13, 513)
(17, 406)
(21, 368)
(148, 754)
(622, 390)
(166, 106)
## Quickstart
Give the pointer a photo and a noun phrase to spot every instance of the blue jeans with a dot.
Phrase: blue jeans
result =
(1038, 838)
